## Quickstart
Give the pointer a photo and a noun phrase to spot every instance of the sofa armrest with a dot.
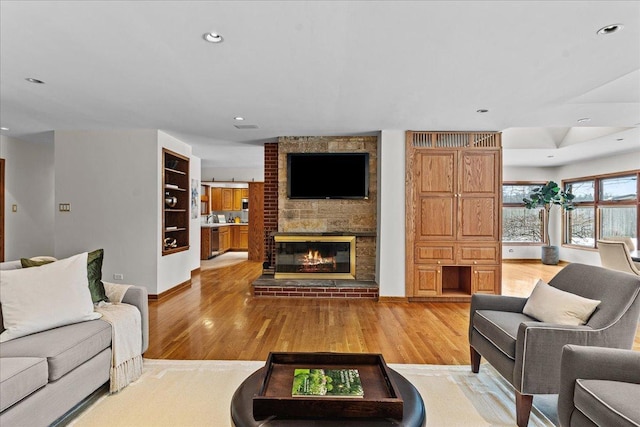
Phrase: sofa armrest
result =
(579, 362)
(137, 296)
(495, 303)
(538, 352)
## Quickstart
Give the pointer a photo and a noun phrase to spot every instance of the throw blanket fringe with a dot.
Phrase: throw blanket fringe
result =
(126, 338)
(125, 373)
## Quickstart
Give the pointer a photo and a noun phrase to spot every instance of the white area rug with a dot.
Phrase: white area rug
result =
(224, 260)
(198, 393)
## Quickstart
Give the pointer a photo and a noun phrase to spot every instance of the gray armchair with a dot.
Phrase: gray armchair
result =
(599, 387)
(527, 352)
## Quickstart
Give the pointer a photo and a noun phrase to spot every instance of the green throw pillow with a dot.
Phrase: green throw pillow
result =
(27, 262)
(94, 274)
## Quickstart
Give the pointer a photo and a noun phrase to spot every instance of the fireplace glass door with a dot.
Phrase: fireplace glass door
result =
(312, 258)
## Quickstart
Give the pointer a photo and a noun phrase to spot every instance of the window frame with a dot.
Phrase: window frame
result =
(521, 204)
(596, 204)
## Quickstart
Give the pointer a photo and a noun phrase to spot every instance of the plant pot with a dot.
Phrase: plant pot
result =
(550, 255)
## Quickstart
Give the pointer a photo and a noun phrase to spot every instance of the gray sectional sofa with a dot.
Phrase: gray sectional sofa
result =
(46, 374)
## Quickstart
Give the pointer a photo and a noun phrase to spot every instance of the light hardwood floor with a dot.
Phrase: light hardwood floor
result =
(218, 318)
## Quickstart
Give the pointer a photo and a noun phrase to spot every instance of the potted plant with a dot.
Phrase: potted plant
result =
(546, 196)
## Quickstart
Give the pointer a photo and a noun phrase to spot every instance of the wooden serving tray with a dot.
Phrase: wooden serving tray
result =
(381, 398)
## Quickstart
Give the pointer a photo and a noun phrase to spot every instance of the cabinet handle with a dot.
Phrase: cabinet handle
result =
(437, 262)
(475, 262)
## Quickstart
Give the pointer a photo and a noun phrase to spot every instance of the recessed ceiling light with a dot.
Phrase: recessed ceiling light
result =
(32, 80)
(584, 120)
(212, 37)
(238, 118)
(610, 29)
(482, 110)
(620, 139)
(550, 156)
(4, 128)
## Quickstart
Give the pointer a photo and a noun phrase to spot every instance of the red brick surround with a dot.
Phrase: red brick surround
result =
(308, 292)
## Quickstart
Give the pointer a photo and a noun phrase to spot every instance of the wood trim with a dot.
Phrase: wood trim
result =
(170, 292)
(256, 222)
(196, 271)
(409, 213)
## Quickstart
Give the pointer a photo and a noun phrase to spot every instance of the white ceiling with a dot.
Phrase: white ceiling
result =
(327, 68)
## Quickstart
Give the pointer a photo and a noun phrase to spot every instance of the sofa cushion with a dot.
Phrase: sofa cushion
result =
(65, 347)
(19, 377)
(36, 299)
(501, 328)
(608, 403)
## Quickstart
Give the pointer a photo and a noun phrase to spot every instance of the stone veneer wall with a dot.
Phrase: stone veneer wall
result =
(347, 216)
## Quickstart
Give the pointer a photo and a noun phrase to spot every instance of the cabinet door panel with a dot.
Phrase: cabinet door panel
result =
(216, 198)
(479, 172)
(436, 172)
(435, 219)
(227, 199)
(426, 281)
(486, 279)
(477, 218)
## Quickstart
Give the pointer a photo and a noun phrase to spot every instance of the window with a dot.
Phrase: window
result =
(519, 224)
(605, 206)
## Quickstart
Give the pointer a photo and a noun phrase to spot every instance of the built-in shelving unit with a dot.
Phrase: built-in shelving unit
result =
(175, 202)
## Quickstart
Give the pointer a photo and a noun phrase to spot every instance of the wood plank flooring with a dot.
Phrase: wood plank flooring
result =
(218, 318)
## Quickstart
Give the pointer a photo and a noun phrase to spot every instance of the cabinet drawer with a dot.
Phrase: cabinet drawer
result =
(434, 254)
(478, 254)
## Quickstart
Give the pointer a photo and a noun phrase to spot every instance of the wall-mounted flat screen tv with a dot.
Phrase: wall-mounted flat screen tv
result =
(328, 175)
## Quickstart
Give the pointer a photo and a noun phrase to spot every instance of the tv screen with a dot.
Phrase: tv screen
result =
(328, 175)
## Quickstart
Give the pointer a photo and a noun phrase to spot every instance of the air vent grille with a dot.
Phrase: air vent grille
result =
(456, 139)
(246, 126)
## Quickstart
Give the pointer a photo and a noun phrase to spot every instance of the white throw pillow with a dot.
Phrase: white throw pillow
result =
(552, 305)
(41, 298)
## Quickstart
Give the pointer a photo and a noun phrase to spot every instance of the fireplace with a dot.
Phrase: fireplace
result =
(315, 257)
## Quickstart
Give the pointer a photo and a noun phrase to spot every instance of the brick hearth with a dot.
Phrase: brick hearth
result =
(267, 286)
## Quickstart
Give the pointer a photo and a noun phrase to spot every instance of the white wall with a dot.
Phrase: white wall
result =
(391, 213)
(233, 174)
(29, 184)
(110, 178)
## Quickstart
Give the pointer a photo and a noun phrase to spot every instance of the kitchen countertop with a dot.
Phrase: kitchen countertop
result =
(222, 224)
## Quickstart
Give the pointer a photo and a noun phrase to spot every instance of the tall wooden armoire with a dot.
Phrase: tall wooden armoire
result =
(453, 220)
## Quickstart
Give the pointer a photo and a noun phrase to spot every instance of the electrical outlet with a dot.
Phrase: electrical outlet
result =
(118, 276)
(64, 207)
(14, 208)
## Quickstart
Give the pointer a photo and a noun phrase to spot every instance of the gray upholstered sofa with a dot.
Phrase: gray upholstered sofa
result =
(46, 374)
(599, 387)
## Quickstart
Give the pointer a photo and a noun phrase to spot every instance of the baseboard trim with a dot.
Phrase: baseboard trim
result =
(170, 292)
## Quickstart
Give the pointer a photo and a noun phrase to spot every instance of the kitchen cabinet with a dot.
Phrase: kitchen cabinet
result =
(204, 200)
(215, 196)
(175, 202)
(239, 237)
(227, 199)
(237, 199)
(453, 223)
(224, 238)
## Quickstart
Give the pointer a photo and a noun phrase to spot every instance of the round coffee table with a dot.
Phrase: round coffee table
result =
(242, 408)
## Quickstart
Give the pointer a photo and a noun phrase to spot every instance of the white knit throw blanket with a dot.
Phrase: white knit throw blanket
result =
(126, 337)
